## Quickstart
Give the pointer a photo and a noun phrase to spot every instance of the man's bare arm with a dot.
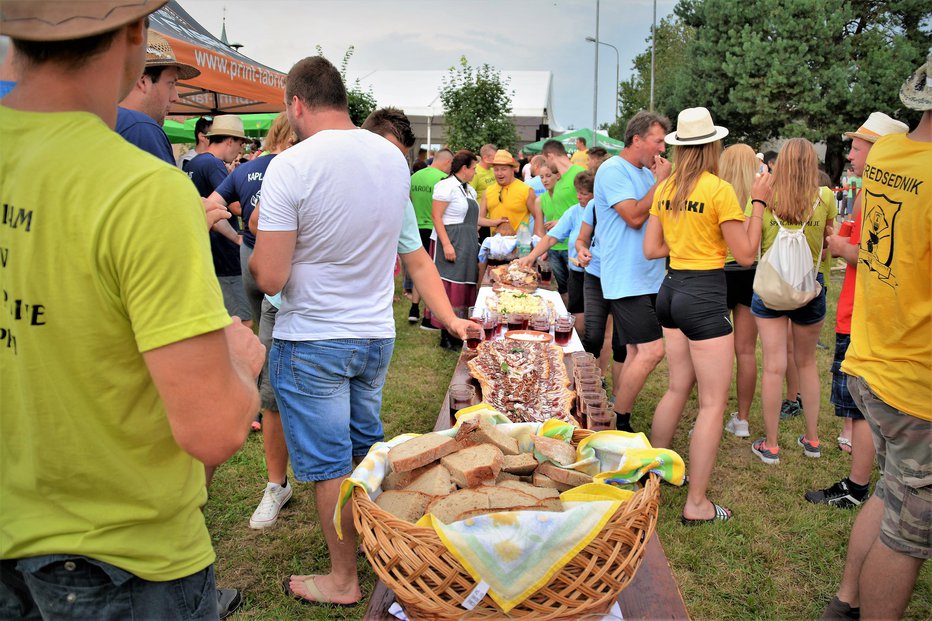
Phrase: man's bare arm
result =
(270, 263)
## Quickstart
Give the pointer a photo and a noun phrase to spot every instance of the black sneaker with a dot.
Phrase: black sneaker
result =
(790, 409)
(414, 314)
(623, 423)
(837, 610)
(426, 325)
(838, 495)
(228, 600)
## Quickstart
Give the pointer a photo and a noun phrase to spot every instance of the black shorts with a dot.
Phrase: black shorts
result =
(574, 286)
(425, 238)
(693, 301)
(636, 318)
(739, 283)
(596, 309)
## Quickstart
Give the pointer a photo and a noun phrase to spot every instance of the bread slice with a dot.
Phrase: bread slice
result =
(475, 431)
(433, 480)
(447, 509)
(505, 476)
(471, 466)
(408, 506)
(554, 449)
(542, 480)
(566, 476)
(520, 464)
(541, 493)
(550, 504)
(420, 451)
(503, 498)
(399, 480)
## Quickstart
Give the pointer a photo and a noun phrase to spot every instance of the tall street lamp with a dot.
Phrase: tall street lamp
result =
(617, 65)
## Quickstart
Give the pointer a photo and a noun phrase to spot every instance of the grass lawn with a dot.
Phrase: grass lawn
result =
(779, 558)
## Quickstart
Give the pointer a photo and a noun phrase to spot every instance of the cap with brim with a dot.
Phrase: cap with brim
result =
(504, 158)
(916, 92)
(760, 156)
(37, 20)
(694, 127)
(227, 125)
(878, 124)
(159, 53)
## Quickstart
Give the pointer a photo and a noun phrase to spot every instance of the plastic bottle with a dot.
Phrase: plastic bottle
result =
(524, 240)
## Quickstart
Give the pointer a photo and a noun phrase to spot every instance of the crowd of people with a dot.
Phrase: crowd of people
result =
(158, 373)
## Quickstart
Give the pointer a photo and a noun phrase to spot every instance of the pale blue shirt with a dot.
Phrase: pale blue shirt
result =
(567, 228)
(410, 238)
(595, 264)
(537, 185)
(625, 271)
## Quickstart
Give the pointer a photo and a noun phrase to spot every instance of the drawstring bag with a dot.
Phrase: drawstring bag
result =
(786, 274)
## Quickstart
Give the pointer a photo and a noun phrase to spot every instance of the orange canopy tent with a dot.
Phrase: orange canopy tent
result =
(229, 82)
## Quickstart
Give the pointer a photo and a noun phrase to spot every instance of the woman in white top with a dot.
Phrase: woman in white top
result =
(455, 244)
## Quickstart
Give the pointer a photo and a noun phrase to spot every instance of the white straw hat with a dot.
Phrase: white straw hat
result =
(694, 127)
(159, 53)
(916, 92)
(227, 125)
(878, 124)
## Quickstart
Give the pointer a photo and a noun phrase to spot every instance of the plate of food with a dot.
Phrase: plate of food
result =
(514, 276)
(529, 336)
(512, 301)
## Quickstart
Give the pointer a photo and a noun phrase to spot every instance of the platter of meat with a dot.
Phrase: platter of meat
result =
(514, 276)
(524, 380)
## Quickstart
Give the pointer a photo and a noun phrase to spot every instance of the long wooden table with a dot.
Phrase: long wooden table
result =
(653, 594)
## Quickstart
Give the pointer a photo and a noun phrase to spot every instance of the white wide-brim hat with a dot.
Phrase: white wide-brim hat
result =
(916, 92)
(878, 124)
(694, 126)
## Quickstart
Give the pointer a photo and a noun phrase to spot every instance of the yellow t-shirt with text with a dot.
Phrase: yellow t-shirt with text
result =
(483, 178)
(694, 235)
(580, 158)
(891, 325)
(88, 461)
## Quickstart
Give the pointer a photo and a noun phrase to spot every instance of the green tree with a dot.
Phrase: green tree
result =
(477, 108)
(673, 35)
(786, 68)
(360, 102)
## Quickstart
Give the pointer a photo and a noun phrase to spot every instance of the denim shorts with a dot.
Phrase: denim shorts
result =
(329, 394)
(72, 587)
(811, 313)
(845, 406)
(904, 457)
(559, 265)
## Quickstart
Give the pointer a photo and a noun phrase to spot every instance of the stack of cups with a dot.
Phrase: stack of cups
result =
(540, 322)
(592, 406)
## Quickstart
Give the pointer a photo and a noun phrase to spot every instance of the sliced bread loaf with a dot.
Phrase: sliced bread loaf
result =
(505, 498)
(542, 480)
(520, 464)
(564, 475)
(420, 451)
(471, 466)
(447, 509)
(408, 506)
(538, 492)
(433, 480)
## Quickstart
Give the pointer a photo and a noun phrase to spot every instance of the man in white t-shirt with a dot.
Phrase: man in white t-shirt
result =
(333, 209)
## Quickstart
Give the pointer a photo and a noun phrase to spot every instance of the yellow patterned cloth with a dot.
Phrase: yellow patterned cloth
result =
(516, 552)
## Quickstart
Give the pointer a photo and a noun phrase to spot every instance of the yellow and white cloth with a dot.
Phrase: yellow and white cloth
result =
(516, 552)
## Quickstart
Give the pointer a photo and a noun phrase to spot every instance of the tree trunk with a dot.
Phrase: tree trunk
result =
(834, 158)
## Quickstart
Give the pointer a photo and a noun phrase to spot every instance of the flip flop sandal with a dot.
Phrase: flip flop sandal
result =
(844, 444)
(721, 515)
(313, 590)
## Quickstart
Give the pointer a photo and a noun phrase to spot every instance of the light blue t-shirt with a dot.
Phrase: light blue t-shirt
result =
(567, 228)
(410, 238)
(625, 271)
(537, 185)
(595, 264)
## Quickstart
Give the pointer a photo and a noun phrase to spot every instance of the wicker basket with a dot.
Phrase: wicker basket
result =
(431, 584)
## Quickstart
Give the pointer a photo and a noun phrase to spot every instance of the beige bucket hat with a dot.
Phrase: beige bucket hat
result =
(62, 20)
(160, 54)
(227, 125)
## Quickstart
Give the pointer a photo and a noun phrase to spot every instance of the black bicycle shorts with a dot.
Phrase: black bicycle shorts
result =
(694, 301)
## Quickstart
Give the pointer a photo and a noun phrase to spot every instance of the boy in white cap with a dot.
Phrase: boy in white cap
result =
(120, 371)
(890, 362)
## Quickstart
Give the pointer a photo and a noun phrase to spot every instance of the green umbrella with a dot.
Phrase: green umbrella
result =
(178, 133)
(569, 142)
(255, 125)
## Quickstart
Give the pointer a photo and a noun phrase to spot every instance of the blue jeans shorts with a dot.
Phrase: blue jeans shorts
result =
(845, 406)
(811, 313)
(71, 587)
(329, 394)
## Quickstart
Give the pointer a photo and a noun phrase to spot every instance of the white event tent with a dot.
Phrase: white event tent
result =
(418, 94)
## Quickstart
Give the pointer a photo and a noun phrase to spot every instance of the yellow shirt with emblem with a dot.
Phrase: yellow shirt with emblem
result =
(509, 201)
(891, 326)
(483, 178)
(694, 235)
(581, 158)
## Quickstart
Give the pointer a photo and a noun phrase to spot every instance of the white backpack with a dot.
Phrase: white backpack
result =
(786, 274)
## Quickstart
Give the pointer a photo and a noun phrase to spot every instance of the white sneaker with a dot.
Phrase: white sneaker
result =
(737, 426)
(274, 498)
